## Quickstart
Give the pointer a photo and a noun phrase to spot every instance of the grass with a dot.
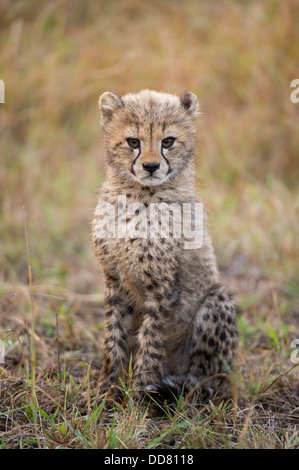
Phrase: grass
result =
(240, 58)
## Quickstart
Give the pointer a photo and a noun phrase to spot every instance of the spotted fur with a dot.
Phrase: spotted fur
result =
(165, 307)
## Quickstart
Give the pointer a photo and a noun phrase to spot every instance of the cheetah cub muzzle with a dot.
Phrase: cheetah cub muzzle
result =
(166, 310)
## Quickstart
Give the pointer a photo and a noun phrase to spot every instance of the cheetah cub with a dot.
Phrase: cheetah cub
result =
(165, 308)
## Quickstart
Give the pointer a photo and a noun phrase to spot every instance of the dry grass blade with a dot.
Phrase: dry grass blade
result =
(265, 389)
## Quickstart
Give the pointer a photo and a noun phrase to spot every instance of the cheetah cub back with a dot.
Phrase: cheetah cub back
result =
(165, 307)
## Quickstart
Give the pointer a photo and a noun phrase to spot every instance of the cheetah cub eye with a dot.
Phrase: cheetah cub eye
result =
(168, 142)
(133, 143)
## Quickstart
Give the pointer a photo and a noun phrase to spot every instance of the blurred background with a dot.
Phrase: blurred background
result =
(239, 57)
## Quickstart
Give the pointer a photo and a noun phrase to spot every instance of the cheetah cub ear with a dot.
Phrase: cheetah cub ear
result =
(190, 103)
(109, 103)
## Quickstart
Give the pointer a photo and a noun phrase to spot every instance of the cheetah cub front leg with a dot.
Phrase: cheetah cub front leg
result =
(118, 329)
(151, 351)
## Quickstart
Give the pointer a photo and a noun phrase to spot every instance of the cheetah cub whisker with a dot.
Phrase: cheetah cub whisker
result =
(165, 307)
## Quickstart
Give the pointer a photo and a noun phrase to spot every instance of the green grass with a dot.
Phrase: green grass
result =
(239, 58)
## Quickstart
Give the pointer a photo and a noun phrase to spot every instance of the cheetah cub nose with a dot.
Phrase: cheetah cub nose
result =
(151, 167)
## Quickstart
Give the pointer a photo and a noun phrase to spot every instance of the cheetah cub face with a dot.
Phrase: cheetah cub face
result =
(149, 136)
